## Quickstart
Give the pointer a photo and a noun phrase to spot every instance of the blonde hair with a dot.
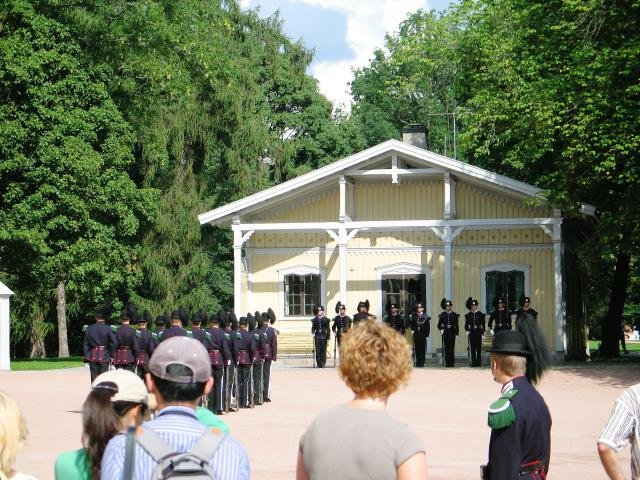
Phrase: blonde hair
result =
(374, 360)
(13, 432)
(510, 365)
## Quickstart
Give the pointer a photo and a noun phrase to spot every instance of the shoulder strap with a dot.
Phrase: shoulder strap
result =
(207, 444)
(129, 453)
(153, 444)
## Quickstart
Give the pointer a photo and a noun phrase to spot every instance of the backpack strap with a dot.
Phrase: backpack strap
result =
(129, 453)
(153, 444)
(207, 444)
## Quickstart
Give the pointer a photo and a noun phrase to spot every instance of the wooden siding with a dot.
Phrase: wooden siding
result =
(473, 201)
(408, 200)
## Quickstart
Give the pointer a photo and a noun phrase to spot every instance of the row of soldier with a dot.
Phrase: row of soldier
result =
(240, 350)
(419, 323)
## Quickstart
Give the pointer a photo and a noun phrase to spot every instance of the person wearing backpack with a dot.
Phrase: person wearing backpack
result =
(175, 444)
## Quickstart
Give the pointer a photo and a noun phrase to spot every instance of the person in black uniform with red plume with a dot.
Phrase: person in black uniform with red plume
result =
(126, 341)
(525, 307)
(246, 348)
(146, 343)
(255, 322)
(501, 316)
(99, 342)
(394, 319)
(178, 319)
(219, 356)
(269, 351)
(363, 313)
(420, 324)
(448, 326)
(520, 422)
(341, 322)
(474, 326)
(321, 335)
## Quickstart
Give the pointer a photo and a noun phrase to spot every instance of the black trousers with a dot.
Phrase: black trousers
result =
(96, 369)
(257, 382)
(229, 387)
(215, 395)
(475, 349)
(266, 379)
(321, 351)
(449, 349)
(127, 366)
(420, 347)
(244, 372)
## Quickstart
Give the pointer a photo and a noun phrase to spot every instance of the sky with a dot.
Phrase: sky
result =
(343, 33)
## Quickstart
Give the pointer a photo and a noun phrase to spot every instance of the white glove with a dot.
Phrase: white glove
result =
(441, 332)
(467, 333)
(491, 332)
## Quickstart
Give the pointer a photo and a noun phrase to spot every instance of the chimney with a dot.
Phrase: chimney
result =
(415, 135)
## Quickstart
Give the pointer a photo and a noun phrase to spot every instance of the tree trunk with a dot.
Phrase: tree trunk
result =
(63, 343)
(575, 307)
(612, 322)
(36, 335)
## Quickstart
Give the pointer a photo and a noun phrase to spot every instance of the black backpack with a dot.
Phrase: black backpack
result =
(192, 465)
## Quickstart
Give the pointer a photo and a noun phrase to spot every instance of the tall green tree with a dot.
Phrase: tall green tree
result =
(70, 214)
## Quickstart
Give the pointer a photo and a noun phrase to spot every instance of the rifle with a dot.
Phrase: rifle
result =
(335, 345)
(469, 349)
(442, 344)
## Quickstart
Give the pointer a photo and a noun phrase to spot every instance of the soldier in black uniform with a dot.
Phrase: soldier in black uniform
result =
(99, 342)
(126, 341)
(363, 313)
(525, 307)
(448, 326)
(229, 324)
(321, 335)
(197, 330)
(179, 318)
(474, 326)
(420, 325)
(255, 322)
(341, 322)
(246, 345)
(219, 355)
(520, 443)
(146, 343)
(501, 316)
(394, 319)
(160, 326)
(269, 352)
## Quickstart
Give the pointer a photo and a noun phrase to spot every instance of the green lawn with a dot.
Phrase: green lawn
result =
(45, 363)
(633, 346)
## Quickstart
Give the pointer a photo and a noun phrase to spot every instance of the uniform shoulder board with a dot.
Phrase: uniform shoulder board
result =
(256, 336)
(155, 335)
(207, 335)
(138, 333)
(238, 336)
(114, 328)
(501, 412)
(189, 333)
(85, 328)
(227, 336)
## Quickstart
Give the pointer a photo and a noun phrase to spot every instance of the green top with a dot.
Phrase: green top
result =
(210, 419)
(72, 465)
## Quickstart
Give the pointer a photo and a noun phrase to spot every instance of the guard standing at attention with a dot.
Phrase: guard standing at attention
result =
(420, 324)
(246, 345)
(448, 326)
(474, 326)
(179, 318)
(363, 313)
(255, 322)
(321, 335)
(394, 319)
(99, 342)
(525, 307)
(146, 343)
(520, 422)
(341, 322)
(219, 356)
(501, 316)
(126, 341)
(269, 352)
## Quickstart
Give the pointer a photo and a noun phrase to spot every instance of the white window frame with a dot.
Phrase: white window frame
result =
(300, 270)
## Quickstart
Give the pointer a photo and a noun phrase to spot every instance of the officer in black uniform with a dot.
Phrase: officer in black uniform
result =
(197, 330)
(321, 335)
(246, 345)
(341, 322)
(255, 322)
(160, 326)
(448, 326)
(126, 341)
(363, 313)
(394, 319)
(520, 422)
(99, 342)
(501, 316)
(525, 307)
(420, 324)
(179, 318)
(474, 326)
(146, 343)
(229, 324)
(269, 351)
(219, 355)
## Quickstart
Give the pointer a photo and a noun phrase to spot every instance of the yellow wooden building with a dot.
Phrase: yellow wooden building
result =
(398, 223)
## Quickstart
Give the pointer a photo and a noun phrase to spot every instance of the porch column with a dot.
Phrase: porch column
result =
(561, 331)
(5, 344)
(237, 266)
(448, 265)
(342, 239)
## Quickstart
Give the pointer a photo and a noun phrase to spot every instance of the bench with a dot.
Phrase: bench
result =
(297, 344)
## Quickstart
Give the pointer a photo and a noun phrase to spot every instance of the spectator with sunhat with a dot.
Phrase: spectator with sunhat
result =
(474, 325)
(449, 329)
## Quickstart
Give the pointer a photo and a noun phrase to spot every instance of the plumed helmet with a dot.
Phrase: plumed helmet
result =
(251, 320)
(104, 310)
(146, 317)
(418, 304)
(232, 319)
(540, 359)
(523, 299)
(317, 308)
(272, 315)
(340, 305)
(243, 321)
(444, 303)
(160, 320)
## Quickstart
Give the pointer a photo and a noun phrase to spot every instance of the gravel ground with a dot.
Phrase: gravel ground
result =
(447, 407)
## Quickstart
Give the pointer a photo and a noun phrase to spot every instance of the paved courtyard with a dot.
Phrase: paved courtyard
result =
(447, 407)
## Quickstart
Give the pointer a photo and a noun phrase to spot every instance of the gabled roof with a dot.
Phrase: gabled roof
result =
(416, 155)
